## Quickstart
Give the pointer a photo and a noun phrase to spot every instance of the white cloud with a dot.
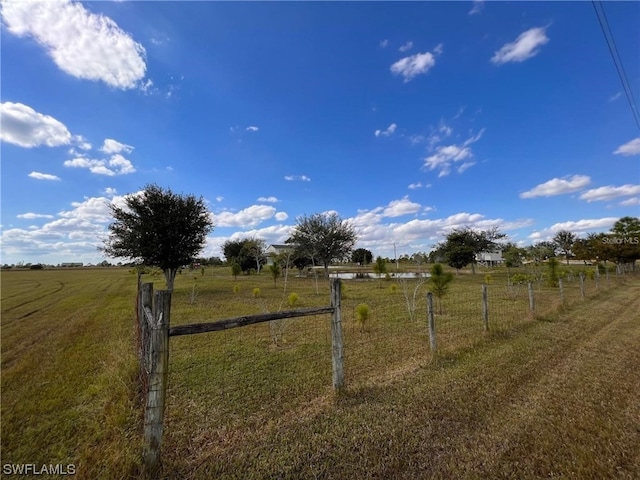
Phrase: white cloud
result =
(583, 225)
(615, 97)
(410, 67)
(110, 191)
(83, 44)
(630, 202)
(32, 216)
(95, 209)
(23, 126)
(81, 142)
(558, 186)
(406, 47)
(116, 165)
(252, 128)
(281, 216)
(465, 166)
(398, 208)
(246, 218)
(610, 192)
(478, 5)
(268, 199)
(43, 176)
(446, 155)
(112, 146)
(385, 133)
(384, 43)
(525, 46)
(629, 148)
(413, 186)
(219, 198)
(300, 178)
(438, 49)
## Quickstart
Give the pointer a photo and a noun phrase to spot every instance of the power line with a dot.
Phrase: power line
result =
(613, 50)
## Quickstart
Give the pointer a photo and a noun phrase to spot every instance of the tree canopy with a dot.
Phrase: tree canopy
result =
(324, 238)
(362, 256)
(620, 245)
(462, 245)
(248, 253)
(564, 240)
(158, 228)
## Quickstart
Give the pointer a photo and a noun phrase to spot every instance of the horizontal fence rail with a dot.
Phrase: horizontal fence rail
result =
(243, 321)
(154, 330)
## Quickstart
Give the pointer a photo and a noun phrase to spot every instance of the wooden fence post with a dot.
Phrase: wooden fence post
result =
(145, 302)
(532, 304)
(431, 322)
(485, 307)
(561, 290)
(158, 373)
(337, 356)
(582, 285)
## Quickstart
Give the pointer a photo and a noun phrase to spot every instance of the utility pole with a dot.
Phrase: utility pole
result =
(396, 256)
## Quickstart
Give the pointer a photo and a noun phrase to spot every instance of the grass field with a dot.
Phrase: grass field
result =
(552, 395)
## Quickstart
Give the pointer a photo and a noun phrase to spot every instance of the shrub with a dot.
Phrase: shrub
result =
(362, 315)
(487, 279)
(292, 299)
(256, 292)
(236, 288)
(552, 272)
(393, 288)
(521, 278)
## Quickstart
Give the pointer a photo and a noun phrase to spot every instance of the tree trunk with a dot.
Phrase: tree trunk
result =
(169, 277)
(473, 267)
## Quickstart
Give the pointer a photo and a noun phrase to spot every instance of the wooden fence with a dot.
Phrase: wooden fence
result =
(154, 330)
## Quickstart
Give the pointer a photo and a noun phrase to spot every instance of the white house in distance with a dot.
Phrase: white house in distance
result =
(276, 249)
(489, 259)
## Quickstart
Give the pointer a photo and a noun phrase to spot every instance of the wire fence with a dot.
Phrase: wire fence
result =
(251, 375)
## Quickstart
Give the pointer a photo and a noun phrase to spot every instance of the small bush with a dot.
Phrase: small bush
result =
(292, 299)
(521, 278)
(393, 288)
(236, 288)
(487, 279)
(256, 292)
(362, 315)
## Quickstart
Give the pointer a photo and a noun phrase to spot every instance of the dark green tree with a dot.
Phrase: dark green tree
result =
(248, 253)
(158, 228)
(463, 245)
(380, 267)
(324, 238)
(623, 241)
(362, 256)
(541, 251)
(563, 240)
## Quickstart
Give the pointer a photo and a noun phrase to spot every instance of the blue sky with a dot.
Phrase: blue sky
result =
(408, 119)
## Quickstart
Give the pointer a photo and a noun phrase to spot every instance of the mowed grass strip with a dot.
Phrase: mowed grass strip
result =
(256, 402)
(67, 371)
